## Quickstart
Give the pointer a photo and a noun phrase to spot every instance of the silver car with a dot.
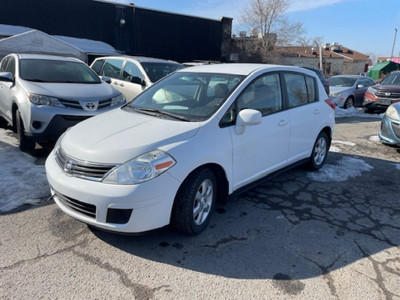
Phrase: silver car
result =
(41, 96)
(348, 90)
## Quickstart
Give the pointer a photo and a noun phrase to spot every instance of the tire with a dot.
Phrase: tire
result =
(3, 123)
(319, 152)
(349, 103)
(25, 143)
(195, 202)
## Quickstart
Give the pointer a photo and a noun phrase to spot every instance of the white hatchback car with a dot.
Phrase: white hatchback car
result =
(200, 134)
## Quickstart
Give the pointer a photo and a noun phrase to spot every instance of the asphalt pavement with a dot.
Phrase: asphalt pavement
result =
(293, 237)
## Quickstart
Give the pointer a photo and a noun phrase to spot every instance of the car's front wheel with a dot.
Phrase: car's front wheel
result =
(25, 143)
(195, 202)
(349, 103)
(319, 152)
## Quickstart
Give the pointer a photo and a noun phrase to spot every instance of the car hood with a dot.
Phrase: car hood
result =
(338, 89)
(118, 136)
(387, 87)
(76, 91)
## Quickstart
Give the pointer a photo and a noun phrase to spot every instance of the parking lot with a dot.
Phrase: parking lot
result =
(331, 234)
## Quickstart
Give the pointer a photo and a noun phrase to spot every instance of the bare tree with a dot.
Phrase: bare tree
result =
(267, 18)
(315, 41)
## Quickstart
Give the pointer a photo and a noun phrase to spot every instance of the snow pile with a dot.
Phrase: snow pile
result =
(346, 168)
(22, 182)
(355, 112)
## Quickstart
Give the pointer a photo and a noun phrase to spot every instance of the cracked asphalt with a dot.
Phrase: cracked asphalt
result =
(290, 238)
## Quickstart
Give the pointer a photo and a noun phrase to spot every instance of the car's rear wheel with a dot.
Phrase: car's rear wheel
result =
(319, 152)
(349, 102)
(195, 202)
(25, 143)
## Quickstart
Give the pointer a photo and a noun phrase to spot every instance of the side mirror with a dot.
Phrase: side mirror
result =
(247, 117)
(138, 80)
(106, 79)
(360, 86)
(6, 77)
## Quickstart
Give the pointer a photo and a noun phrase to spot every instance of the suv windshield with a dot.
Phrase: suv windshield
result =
(44, 70)
(156, 70)
(393, 78)
(186, 96)
(342, 81)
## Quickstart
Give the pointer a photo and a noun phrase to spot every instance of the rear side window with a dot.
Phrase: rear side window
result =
(97, 66)
(301, 89)
(112, 68)
(130, 71)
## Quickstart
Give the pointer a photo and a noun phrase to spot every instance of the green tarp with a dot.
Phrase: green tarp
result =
(381, 69)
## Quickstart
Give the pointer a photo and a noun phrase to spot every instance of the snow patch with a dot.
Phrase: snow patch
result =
(22, 182)
(346, 168)
(375, 139)
(335, 149)
(344, 143)
(355, 112)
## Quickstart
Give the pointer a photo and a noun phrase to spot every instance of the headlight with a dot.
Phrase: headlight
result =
(392, 113)
(120, 99)
(371, 91)
(44, 100)
(141, 169)
(334, 95)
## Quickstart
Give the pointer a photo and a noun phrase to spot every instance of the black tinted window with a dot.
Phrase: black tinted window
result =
(44, 70)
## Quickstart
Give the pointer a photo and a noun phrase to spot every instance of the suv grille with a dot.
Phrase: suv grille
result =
(82, 169)
(388, 95)
(80, 207)
(77, 104)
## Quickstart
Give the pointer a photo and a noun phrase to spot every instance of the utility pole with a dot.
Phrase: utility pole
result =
(394, 42)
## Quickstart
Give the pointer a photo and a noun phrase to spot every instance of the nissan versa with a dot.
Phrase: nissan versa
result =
(41, 96)
(198, 135)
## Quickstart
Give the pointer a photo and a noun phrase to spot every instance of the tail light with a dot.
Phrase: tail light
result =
(330, 103)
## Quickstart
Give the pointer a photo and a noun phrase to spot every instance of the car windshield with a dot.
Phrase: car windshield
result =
(45, 70)
(342, 81)
(393, 78)
(186, 96)
(156, 70)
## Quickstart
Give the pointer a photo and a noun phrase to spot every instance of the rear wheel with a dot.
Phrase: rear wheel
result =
(25, 143)
(195, 202)
(319, 152)
(349, 102)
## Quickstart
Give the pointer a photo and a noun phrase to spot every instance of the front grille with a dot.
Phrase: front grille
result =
(78, 206)
(82, 169)
(75, 104)
(388, 95)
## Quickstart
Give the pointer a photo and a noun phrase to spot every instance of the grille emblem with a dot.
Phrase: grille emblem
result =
(387, 94)
(89, 106)
(68, 166)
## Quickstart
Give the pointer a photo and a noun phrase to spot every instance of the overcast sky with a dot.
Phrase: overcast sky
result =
(366, 26)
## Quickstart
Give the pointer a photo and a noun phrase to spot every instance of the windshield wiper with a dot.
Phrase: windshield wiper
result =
(157, 112)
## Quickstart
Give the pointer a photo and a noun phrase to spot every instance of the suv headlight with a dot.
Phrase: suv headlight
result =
(392, 113)
(120, 99)
(44, 100)
(141, 169)
(371, 91)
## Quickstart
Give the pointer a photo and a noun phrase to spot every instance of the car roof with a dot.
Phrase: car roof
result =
(239, 69)
(140, 59)
(45, 56)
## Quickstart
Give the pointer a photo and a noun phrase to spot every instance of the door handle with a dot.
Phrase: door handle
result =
(282, 123)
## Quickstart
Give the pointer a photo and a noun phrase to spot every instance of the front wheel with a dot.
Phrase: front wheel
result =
(319, 152)
(349, 103)
(195, 202)
(25, 143)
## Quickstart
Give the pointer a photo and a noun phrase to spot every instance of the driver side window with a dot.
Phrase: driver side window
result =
(130, 71)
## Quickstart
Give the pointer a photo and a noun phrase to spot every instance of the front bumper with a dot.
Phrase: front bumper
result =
(119, 208)
(389, 132)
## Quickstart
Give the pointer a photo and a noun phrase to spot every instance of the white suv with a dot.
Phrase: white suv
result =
(200, 134)
(133, 74)
(42, 95)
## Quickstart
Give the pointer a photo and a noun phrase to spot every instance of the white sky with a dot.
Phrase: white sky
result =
(24, 182)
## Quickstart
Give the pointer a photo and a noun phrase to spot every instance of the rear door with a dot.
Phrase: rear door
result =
(305, 113)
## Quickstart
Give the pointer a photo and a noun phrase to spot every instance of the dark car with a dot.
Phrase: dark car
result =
(380, 96)
(320, 75)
